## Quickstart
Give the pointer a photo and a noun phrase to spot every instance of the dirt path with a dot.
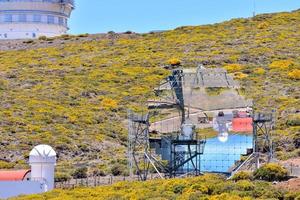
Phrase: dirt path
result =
(290, 185)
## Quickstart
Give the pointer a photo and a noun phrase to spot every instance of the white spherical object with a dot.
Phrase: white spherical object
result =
(223, 137)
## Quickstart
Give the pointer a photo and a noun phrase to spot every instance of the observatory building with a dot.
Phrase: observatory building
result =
(22, 19)
(39, 179)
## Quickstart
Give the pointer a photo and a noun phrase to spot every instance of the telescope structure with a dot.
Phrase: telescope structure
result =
(29, 19)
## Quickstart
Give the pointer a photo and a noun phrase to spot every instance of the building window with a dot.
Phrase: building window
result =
(7, 18)
(37, 18)
(61, 21)
(22, 18)
(50, 19)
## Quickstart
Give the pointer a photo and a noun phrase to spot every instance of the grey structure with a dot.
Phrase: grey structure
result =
(214, 77)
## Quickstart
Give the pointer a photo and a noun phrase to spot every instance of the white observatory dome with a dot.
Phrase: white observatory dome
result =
(29, 19)
(42, 154)
(42, 160)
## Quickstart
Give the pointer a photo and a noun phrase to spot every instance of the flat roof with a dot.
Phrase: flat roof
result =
(13, 175)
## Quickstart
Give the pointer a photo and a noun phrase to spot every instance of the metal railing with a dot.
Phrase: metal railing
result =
(98, 181)
(71, 2)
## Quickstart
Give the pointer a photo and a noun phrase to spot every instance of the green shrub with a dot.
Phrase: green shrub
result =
(80, 173)
(66, 36)
(118, 169)
(99, 172)
(293, 120)
(128, 32)
(42, 37)
(245, 185)
(62, 177)
(178, 188)
(271, 172)
(28, 42)
(83, 35)
(242, 175)
(291, 196)
(200, 188)
(50, 39)
(6, 165)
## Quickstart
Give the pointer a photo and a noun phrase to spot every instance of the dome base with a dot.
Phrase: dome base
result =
(30, 31)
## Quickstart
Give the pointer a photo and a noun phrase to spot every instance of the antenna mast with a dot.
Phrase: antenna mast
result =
(254, 8)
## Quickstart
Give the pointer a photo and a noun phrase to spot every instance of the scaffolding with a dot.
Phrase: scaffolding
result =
(263, 124)
(138, 144)
(180, 152)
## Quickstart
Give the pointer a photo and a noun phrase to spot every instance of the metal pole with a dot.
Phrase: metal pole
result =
(130, 140)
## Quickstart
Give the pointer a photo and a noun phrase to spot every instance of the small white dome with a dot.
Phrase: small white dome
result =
(42, 154)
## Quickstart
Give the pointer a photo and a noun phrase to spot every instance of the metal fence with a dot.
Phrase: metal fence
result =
(293, 169)
(96, 181)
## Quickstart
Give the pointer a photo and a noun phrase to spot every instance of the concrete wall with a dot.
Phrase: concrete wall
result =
(15, 188)
(23, 31)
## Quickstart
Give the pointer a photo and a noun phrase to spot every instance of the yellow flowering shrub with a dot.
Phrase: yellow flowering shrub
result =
(294, 74)
(174, 61)
(263, 25)
(240, 75)
(281, 64)
(259, 71)
(109, 104)
(203, 187)
(233, 68)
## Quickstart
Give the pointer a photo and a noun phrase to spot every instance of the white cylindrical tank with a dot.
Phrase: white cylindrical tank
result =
(42, 160)
(187, 130)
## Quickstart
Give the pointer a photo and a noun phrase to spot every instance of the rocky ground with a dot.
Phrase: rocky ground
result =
(290, 185)
(26, 44)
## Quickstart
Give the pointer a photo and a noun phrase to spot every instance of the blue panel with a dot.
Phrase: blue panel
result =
(220, 157)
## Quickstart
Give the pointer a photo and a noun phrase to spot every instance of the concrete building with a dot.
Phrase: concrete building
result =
(25, 19)
(39, 179)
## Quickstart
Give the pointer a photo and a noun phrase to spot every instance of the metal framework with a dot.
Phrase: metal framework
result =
(185, 157)
(215, 77)
(138, 143)
(176, 81)
(182, 154)
(263, 125)
(175, 155)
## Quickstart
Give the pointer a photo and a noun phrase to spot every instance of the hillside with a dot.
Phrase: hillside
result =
(208, 187)
(73, 92)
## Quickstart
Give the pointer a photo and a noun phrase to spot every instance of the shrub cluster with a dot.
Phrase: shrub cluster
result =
(271, 172)
(211, 187)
